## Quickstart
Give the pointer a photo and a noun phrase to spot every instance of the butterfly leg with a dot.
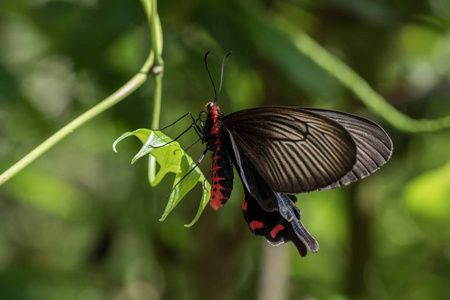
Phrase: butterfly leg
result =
(190, 171)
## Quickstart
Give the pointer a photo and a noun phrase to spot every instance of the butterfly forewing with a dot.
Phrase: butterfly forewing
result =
(374, 147)
(294, 150)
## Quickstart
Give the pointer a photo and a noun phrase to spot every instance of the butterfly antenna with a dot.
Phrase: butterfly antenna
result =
(221, 71)
(210, 77)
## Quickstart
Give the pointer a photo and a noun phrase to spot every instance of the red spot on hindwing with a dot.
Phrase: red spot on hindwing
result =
(256, 225)
(276, 229)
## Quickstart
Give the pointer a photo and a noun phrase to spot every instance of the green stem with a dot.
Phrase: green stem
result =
(110, 101)
(157, 70)
(362, 89)
(133, 84)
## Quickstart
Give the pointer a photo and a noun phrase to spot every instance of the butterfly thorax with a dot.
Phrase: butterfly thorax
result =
(222, 169)
(211, 129)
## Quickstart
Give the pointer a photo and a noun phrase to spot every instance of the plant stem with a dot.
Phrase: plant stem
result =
(133, 84)
(157, 70)
(110, 101)
(362, 89)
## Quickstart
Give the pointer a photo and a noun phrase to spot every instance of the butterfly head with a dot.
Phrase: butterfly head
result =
(209, 106)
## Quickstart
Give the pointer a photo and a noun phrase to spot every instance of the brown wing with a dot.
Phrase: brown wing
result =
(294, 150)
(374, 147)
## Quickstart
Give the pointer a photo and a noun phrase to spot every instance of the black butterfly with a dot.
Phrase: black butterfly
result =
(281, 151)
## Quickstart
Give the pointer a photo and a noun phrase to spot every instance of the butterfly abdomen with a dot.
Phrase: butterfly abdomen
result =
(222, 178)
(222, 169)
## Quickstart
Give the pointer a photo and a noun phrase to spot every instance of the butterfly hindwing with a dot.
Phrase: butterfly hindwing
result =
(268, 213)
(251, 179)
(276, 227)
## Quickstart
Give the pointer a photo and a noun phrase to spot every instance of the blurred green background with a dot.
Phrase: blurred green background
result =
(82, 223)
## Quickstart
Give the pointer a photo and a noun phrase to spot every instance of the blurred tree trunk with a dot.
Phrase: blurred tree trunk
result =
(360, 222)
(273, 282)
(365, 45)
(217, 258)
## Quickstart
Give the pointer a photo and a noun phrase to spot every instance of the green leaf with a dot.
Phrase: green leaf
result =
(182, 186)
(171, 159)
(142, 134)
(205, 199)
(167, 153)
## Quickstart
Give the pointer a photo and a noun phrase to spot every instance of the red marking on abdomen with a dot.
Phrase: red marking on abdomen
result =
(244, 205)
(221, 185)
(276, 229)
(222, 170)
(216, 194)
(216, 199)
(256, 225)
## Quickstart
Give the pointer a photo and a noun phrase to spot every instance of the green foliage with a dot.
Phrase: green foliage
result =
(427, 195)
(80, 222)
(171, 159)
(62, 200)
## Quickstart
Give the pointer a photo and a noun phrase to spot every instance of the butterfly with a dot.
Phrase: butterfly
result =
(282, 151)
